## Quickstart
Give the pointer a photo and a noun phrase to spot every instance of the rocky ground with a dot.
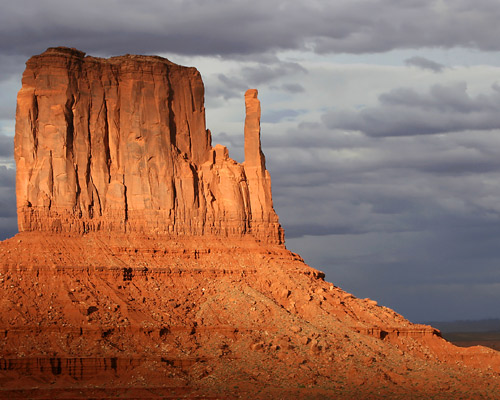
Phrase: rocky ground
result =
(120, 317)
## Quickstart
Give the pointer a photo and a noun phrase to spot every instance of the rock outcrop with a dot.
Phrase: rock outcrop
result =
(120, 144)
(120, 315)
(180, 285)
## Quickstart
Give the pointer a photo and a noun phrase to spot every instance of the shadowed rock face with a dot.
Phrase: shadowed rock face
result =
(120, 144)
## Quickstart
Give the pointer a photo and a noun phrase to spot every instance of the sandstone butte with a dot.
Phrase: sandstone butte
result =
(149, 264)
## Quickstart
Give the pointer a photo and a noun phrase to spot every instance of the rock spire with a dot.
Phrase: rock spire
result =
(120, 144)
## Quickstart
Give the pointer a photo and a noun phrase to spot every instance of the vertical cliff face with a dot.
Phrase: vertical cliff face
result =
(120, 144)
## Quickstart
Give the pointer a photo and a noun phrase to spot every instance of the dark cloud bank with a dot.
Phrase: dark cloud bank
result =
(424, 63)
(8, 216)
(240, 27)
(406, 112)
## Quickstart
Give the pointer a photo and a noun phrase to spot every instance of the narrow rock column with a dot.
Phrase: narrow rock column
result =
(253, 153)
(263, 220)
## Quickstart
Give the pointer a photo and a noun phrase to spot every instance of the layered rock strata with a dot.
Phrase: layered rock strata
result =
(120, 145)
(118, 149)
(124, 316)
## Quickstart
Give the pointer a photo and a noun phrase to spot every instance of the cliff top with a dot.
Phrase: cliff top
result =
(71, 52)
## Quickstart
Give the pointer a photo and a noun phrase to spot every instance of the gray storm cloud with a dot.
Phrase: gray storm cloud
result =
(8, 215)
(406, 112)
(6, 146)
(424, 63)
(231, 86)
(241, 27)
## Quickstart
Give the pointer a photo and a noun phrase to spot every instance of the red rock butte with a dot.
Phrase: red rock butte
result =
(120, 145)
(149, 264)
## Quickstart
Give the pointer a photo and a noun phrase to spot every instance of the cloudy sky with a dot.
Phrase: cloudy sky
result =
(381, 125)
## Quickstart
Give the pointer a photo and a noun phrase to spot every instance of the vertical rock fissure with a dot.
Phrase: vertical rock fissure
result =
(171, 117)
(105, 140)
(51, 175)
(174, 201)
(68, 114)
(191, 92)
(125, 203)
(88, 172)
(34, 119)
(196, 186)
(76, 207)
(118, 120)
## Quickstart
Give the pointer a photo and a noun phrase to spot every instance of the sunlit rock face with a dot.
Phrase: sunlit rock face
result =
(120, 144)
(151, 263)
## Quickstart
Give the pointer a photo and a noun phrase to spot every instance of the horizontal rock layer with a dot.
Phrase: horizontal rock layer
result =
(212, 316)
(120, 144)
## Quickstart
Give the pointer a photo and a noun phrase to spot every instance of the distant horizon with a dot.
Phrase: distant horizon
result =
(462, 320)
